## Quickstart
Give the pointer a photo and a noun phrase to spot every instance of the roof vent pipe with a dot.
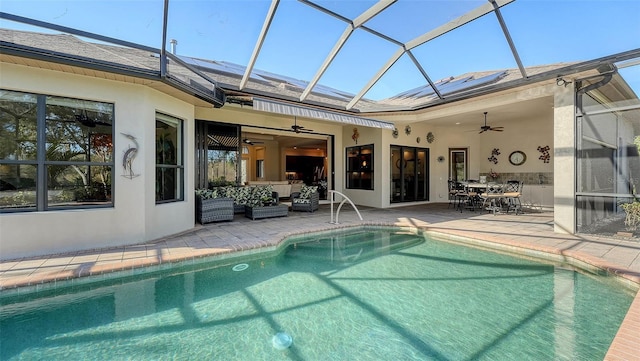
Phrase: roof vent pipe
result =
(173, 42)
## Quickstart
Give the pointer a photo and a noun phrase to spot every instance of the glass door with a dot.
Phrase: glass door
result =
(458, 164)
(396, 188)
(409, 174)
(422, 172)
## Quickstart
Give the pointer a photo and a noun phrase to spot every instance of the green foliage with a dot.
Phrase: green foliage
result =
(220, 182)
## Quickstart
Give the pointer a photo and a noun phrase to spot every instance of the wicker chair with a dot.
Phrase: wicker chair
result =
(310, 204)
(214, 209)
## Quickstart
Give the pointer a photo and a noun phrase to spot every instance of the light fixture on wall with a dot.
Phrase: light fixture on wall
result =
(560, 82)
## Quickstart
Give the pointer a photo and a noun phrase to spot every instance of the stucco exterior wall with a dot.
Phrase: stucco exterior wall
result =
(135, 217)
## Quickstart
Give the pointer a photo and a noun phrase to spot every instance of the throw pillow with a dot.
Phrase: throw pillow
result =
(306, 191)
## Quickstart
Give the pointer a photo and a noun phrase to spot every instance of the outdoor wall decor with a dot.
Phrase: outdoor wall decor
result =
(407, 130)
(128, 157)
(418, 140)
(441, 159)
(493, 159)
(430, 137)
(355, 135)
(544, 156)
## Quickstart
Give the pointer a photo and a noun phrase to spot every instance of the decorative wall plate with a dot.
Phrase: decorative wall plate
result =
(441, 159)
(407, 130)
(418, 140)
(430, 137)
(395, 132)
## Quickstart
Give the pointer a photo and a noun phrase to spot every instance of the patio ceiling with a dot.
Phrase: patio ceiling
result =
(356, 56)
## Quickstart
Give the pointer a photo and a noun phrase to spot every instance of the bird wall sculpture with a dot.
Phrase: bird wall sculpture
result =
(128, 157)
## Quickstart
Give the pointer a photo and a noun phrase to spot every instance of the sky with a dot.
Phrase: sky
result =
(300, 37)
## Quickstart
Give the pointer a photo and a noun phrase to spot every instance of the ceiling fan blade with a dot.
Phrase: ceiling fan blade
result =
(497, 130)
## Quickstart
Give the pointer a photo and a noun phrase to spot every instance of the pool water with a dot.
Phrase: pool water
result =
(366, 294)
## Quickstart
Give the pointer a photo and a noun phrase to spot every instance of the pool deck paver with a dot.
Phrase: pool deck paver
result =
(527, 233)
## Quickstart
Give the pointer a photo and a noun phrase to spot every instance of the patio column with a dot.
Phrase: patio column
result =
(564, 165)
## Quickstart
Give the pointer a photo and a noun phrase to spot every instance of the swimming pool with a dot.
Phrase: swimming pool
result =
(367, 294)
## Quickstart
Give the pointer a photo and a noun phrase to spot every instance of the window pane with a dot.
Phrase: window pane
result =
(166, 143)
(169, 172)
(18, 125)
(17, 186)
(78, 130)
(72, 185)
(168, 184)
(359, 165)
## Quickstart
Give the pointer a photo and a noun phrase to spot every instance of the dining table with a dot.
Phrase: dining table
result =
(476, 194)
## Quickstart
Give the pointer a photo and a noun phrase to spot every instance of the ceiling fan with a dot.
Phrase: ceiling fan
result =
(250, 142)
(299, 128)
(485, 127)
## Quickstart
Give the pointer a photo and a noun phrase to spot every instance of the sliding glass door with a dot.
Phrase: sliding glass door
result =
(409, 174)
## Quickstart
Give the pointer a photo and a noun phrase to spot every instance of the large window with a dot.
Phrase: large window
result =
(169, 159)
(55, 152)
(360, 167)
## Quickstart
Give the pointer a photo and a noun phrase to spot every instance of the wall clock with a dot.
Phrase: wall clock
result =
(517, 157)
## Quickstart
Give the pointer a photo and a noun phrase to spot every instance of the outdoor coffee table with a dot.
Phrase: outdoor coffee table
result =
(278, 210)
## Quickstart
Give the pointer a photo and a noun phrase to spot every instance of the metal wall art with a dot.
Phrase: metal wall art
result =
(430, 137)
(494, 153)
(128, 157)
(544, 156)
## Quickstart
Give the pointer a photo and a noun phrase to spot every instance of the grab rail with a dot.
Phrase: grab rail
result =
(332, 195)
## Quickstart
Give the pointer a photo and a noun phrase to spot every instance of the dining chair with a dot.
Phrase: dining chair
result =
(467, 198)
(492, 197)
(452, 190)
(512, 194)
